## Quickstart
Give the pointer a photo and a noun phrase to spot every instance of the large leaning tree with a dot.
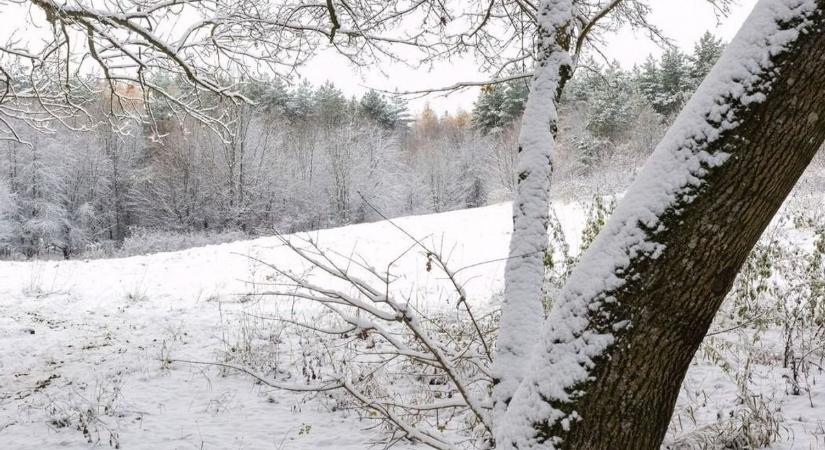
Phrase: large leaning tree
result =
(618, 341)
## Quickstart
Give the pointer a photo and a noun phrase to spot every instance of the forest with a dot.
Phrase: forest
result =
(306, 157)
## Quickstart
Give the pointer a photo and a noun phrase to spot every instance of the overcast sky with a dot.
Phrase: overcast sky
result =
(682, 20)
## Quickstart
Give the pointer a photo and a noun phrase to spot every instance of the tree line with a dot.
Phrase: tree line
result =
(307, 157)
(302, 157)
(605, 110)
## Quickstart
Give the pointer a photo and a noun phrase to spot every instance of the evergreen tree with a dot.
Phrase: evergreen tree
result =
(330, 105)
(499, 105)
(705, 54)
(515, 96)
(612, 104)
(673, 82)
(400, 112)
(487, 109)
(668, 83)
(647, 78)
(584, 82)
(300, 105)
(272, 96)
(375, 107)
(589, 151)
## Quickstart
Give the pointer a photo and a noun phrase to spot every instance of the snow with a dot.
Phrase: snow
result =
(101, 327)
(668, 180)
(522, 311)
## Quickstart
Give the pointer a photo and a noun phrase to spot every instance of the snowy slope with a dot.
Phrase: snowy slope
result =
(100, 329)
(82, 342)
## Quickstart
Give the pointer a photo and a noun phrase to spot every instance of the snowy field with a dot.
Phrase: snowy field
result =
(85, 346)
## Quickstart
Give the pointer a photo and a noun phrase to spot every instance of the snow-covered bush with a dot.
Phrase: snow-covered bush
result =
(422, 376)
(144, 241)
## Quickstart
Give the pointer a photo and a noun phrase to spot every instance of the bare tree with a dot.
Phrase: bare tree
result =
(129, 47)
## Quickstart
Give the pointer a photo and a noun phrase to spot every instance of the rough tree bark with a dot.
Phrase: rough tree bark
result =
(618, 343)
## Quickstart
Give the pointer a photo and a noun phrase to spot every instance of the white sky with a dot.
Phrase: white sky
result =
(684, 21)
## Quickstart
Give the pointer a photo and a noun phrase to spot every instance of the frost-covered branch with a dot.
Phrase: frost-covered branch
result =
(398, 337)
(145, 56)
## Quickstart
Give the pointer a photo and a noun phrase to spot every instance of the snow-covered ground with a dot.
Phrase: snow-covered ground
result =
(83, 344)
(81, 335)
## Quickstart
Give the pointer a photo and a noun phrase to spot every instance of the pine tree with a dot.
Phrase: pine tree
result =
(584, 82)
(299, 105)
(498, 106)
(515, 96)
(400, 110)
(647, 78)
(272, 96)
(705, 54)
(612, 103)
(375, 107)
(330, 105)
(673, 82)
(487, 109)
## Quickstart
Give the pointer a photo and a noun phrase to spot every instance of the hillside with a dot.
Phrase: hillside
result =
(85, 345)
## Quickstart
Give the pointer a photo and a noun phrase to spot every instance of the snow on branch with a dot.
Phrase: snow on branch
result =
(142, 58)
(380, 336)
(581, 326)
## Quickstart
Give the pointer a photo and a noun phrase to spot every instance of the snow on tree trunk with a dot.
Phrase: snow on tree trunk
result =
(613, 353)
(522, 311)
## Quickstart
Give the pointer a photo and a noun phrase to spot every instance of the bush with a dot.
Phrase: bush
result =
(143, 241)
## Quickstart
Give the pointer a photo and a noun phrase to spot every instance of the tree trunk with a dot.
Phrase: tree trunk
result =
(118, 195)
(617, 345)
(522, 309)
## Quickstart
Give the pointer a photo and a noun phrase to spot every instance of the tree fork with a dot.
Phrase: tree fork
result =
(647, 326)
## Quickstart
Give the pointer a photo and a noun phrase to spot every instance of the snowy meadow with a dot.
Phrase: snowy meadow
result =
(192, 349)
